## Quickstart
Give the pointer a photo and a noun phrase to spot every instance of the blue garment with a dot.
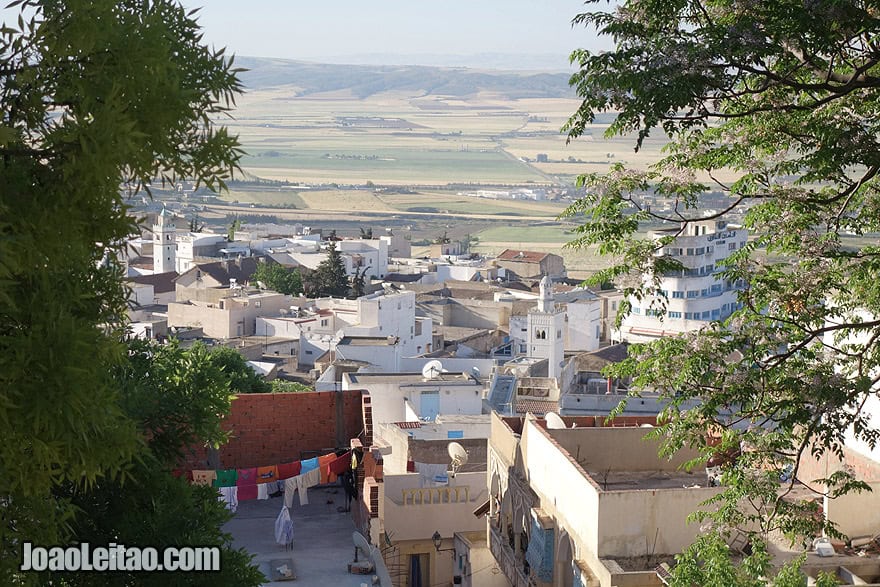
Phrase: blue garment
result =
(309, 465)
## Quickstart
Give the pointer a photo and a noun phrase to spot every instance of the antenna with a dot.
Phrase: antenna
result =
(554, 422)
(432, 369)
(459, 457)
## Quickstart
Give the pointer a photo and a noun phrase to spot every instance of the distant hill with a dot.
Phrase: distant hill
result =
(366, 80)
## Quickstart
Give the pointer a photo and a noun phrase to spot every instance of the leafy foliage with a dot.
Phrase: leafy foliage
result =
(281, 386)
(242, 379)
(93, 94)
(708, 563)
(784, 97)
(329, 277)
(177, 398)
(279, 278)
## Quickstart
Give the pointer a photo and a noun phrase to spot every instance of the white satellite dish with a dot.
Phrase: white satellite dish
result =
(432, 369)
(459, 456)
(362, 544)
(554, 422)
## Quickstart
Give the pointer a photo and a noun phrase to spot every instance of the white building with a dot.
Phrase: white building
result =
(546, 323)
(695, 295)
(164, 243)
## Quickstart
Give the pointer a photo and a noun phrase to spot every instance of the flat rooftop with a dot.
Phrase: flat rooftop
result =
(623, 480)
(322, 545)
(410, 378)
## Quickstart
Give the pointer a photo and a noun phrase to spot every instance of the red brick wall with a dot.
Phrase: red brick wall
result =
(271, 428)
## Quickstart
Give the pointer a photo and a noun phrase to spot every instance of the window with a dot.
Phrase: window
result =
(664, 293)
(258, 303)
(706, 315)
(716, 314)
(716, 288)
(731, 246)
(675, 314)
(613, 305)
(704, 292)
(324, 322)
(636, 310)
(693, 293)
(678, 294)
(700, 251)
(558, 334)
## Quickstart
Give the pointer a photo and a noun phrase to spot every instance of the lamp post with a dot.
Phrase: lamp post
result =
(438, 542)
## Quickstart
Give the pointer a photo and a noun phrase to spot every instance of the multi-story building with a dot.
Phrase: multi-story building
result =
(694, 295)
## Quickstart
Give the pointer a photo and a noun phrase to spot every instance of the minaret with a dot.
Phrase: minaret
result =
(164, 243)
(546, 337)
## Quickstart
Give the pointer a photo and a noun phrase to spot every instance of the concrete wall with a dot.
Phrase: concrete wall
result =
(562, 488)
(856, 514)
(618, 449)
(640, 522)
(446, 518)
(271, 428)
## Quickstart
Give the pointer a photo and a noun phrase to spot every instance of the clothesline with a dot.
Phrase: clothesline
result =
(236, 485)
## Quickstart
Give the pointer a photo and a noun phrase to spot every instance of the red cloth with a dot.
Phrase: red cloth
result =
(410, 466)
(247, 477)
(323, 464)
(288, 470)
(339, 466)
(246, 492)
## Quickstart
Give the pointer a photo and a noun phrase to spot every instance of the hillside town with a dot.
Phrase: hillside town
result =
(503, 356)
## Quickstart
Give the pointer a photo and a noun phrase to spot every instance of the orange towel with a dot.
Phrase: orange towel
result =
(324, 465)
(266, 474)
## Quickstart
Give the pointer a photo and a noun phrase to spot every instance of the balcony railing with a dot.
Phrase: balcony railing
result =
(432, 495)
(510, 566)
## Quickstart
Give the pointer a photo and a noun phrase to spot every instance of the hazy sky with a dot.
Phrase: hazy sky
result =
(322, 30)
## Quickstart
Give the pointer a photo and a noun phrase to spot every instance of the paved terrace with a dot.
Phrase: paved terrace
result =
(322, 546)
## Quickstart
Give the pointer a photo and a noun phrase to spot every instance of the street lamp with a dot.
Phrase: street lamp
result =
(438, 542)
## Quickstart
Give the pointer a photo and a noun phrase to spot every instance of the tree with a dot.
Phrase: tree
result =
(366, 233)
(781, 98)
(358, 283)
(329, 277)
(93, 94)
(242, 379)
(279, 278)
(177, 398)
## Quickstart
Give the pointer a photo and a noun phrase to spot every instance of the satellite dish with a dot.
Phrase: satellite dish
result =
(554, 422)
(361, 543)
(459, 456)
(432, 369)
(475, 372)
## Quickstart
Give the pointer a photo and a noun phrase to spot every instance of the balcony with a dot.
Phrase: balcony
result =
(510, 566)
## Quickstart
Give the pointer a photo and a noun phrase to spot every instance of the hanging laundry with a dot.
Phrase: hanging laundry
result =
(284, 528)
(339, 466)
(229, 495)
(226, 478)
(323, 465)
(431, 475)
(309, 464)
(247, 492)
(247, 477)
(288, 470)
(203, 477)
(266, 474)
(263, 490)
(309, 479)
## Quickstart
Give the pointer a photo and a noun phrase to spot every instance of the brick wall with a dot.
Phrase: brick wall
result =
(271, 428)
